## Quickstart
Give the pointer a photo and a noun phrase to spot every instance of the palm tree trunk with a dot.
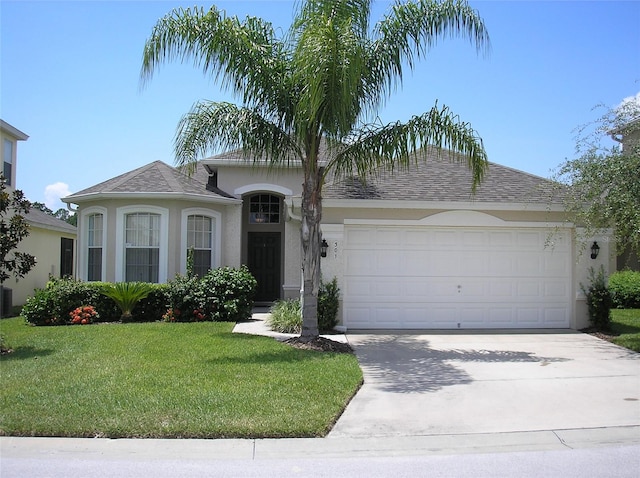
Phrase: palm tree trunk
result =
(311, 237)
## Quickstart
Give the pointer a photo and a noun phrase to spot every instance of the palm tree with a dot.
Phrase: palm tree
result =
(322, 81)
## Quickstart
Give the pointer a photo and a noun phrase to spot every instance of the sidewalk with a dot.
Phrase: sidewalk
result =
(319, 448)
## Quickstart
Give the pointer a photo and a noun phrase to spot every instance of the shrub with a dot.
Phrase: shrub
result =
(223, 294)
(83, 315)
(40, 309)
(53, 304)
(598, 300)
(328, 304)
(126, 295)
(226, 294)
(151, 308)
(182, 294)
(625, 289)
(286, 316)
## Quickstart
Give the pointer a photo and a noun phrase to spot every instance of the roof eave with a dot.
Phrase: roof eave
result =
(51, 227)
(462, 205)
(80, 198)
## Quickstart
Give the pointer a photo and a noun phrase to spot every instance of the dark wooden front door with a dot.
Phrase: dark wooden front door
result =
(264, 264)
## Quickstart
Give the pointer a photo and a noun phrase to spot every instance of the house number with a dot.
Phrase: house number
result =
(335, 249)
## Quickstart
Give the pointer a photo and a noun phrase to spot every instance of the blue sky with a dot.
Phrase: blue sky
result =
(69, 78)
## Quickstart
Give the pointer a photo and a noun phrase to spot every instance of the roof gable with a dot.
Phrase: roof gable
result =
(154, 178)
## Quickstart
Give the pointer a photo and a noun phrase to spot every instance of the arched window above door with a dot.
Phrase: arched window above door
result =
(264, 209)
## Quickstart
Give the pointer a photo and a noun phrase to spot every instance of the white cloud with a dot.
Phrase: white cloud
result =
(630, 100)
(53, 193)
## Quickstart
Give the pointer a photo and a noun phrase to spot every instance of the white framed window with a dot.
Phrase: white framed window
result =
(200, 233)
(93, 237)
(142, 236)
(264, 209)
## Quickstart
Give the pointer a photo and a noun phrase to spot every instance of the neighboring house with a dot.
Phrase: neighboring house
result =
(410, 250)
(50, 240)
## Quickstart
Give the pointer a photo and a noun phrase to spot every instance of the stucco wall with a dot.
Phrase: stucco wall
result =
(44, 244)
(232, 178)
(229, 224)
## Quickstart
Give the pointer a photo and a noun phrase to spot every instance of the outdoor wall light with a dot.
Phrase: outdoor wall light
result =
(595, 250)
(323, 248)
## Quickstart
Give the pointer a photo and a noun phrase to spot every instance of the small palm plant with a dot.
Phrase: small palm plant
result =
(126, 295)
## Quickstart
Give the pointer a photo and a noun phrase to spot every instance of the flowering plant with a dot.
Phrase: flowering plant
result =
(171, 315)
(198, 314)
(83, 315)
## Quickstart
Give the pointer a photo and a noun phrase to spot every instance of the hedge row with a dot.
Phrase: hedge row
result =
(624, 287)
(224, 294)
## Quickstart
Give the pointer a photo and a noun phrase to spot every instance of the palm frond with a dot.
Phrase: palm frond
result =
(409, 31)
(126, 294)
(245, 55)
(211, 126)
(330, 38)
(375, 148)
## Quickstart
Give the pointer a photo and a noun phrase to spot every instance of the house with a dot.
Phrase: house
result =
(411, 250)
(50, 240)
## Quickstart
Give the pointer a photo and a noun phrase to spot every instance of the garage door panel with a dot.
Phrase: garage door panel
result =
(430, 277)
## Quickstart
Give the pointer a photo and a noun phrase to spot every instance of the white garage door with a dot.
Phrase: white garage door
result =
(454, 277)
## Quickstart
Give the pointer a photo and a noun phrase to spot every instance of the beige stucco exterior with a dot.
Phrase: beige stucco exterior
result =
(44, 244)
(45, 236)
(241, 180)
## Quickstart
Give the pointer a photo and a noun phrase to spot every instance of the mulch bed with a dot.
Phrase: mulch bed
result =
(608, 336)
(320, 344)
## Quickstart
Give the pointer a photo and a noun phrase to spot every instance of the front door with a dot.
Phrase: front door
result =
(264, 264)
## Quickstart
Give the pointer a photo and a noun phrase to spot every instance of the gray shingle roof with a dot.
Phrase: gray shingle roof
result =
(439, 179)
(156, 177)
(37, 218)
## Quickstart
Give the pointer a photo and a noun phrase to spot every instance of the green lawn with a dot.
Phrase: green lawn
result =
(167, 380)
(625, 324)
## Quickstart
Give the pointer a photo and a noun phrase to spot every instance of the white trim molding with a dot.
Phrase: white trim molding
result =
(121, 212)
(83, 239)
(274, 188)
(216, 219)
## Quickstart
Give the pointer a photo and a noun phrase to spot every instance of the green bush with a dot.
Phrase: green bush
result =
(151, 308)
(182, 295)
(231, 293)
(286, 317)
(126, 295)
(598, 300)
(224, 294)
(625, 289)
(328, 304)
(52, 305)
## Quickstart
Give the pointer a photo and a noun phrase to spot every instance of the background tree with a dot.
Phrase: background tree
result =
(62, 213)
(324, 80)
(13, 229)
(604, 179)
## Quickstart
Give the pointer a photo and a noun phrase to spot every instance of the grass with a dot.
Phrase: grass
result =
(167, 380)
(625, 323)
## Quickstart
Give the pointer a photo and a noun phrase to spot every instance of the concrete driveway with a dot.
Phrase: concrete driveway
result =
(476, 383)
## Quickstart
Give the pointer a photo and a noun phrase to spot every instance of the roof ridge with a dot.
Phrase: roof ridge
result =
(132, 174)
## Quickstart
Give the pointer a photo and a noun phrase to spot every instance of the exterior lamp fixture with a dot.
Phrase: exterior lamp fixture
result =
(595, 250)
(323, 248)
